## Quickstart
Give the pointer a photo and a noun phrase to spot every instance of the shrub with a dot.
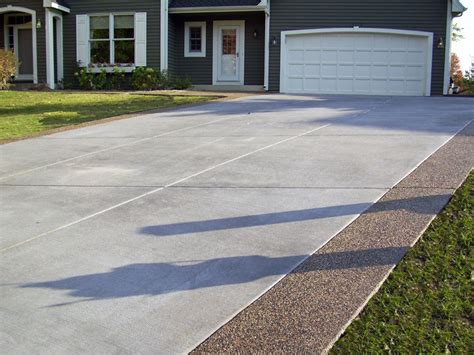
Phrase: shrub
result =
(144, 78)
(90, 80)
(180, 83)
(467, 84)
(7, 68)
(116, 79)
(85, 79)
(151, 79)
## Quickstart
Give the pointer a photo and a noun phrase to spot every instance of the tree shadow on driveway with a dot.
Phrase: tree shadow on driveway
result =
(421, 205)
(153, 279)
(162, 278)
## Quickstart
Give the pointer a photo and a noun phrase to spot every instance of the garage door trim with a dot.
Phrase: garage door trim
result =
(427, 35)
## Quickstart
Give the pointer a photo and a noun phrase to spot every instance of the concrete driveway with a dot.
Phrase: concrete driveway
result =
(147, 234)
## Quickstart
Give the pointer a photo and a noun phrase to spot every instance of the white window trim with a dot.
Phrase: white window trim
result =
(187, 52)
(111, 40)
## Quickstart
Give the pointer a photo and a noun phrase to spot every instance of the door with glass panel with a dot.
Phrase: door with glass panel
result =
(229, 41)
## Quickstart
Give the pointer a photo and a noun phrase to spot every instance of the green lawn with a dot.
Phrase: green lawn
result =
(426, 304)
(26, 113)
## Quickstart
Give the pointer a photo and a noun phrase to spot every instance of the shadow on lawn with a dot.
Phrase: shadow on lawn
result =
(64, 112)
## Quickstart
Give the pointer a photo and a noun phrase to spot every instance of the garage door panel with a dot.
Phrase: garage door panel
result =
(296, 55)
(312, 70)
(296, 70)
(312, 84)
(369, 63)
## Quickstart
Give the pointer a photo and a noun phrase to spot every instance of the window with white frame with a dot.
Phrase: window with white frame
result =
(112, 40)
(195, 39)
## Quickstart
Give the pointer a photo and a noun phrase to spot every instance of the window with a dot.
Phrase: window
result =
(195, 39)
(112, 40)
(11, 22)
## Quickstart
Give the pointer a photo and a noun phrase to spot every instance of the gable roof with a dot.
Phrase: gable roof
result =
(211, 3)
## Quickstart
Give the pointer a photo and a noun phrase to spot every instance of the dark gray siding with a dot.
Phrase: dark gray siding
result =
(172, 40)
(2, 32)
(199, 70)
(420, 15)
(78, 7)
(36, 5)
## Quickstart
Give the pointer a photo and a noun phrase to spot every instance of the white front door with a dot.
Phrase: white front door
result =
(228, 52)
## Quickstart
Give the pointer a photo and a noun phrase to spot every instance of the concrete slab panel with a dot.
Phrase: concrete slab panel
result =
(327, 162)
(253, 186)
(148, 276)
(31, 210)
(30, 154)
(154, 162)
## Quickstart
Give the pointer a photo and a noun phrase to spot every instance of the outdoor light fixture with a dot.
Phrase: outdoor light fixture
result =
(274, 41)
(38, 24)
(440, 43)
(255, 34)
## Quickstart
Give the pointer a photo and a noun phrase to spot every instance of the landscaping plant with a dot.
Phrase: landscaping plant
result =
(7, 68)
(102, 80)
(144, 78)
(467, 84)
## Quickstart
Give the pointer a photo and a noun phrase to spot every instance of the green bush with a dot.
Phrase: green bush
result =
(181, 83)
(151, 79)
(144, 78)
(467, 83)
(87, 79)
(7, 68)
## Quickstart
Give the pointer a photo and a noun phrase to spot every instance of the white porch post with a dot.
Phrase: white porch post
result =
(164, 35)
(266, 69)
(49, 33)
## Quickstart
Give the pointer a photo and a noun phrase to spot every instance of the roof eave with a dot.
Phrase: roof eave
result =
(458, 8)
(215, 9)
(54, 5)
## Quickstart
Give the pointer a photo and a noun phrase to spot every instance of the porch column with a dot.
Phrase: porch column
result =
(266, 69)
(164, 35)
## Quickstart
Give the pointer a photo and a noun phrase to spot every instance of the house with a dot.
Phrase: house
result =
(390, 47)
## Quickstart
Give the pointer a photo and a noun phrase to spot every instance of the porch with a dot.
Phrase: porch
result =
(34, 34)
(220, 49)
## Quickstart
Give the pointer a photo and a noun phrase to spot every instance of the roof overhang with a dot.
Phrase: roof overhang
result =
(457, 8)
(56, 5)
(262, 6)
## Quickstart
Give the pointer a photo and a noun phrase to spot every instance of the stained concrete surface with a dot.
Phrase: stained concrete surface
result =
(176, 221)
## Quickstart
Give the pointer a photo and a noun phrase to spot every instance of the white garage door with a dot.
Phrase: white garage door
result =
(382, 62)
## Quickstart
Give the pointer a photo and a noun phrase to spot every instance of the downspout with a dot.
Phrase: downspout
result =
(447, 59)
(455, 9)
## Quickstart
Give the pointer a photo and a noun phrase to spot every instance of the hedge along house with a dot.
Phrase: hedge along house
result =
(391, 47)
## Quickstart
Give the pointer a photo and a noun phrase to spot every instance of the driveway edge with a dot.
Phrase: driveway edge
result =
(310, 308)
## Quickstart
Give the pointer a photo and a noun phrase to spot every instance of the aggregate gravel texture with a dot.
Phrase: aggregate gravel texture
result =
(310, 308)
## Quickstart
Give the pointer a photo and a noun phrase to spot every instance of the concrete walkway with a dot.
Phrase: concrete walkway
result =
(148, 234)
